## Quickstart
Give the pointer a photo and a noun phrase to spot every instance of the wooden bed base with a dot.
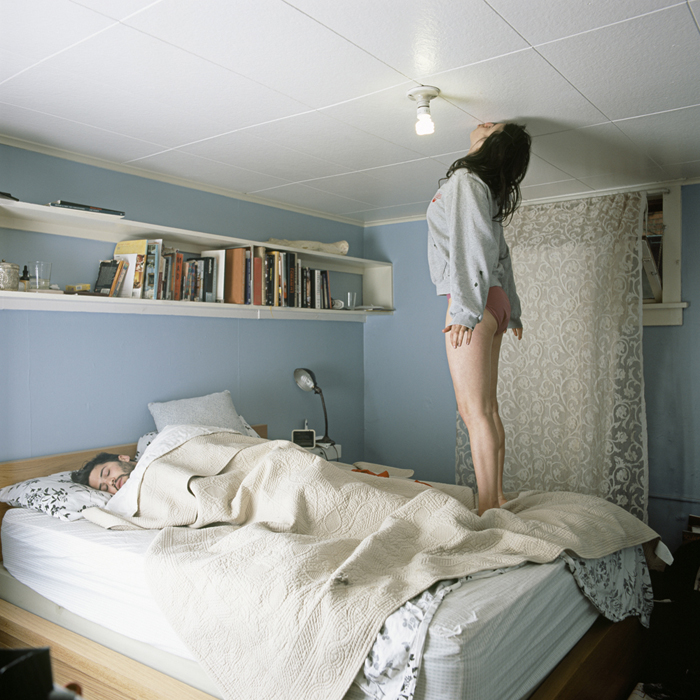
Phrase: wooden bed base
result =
(606, 663)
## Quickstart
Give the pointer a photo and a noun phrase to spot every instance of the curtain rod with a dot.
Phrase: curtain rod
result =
(595, 193)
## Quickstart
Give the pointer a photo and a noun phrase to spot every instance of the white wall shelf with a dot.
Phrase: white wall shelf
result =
(377, 277)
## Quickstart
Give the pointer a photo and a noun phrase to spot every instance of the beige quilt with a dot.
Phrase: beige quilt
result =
(288, 565)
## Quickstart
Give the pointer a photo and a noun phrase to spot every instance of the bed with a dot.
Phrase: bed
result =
(576, 654)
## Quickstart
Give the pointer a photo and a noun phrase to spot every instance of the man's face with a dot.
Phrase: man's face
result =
(111, 476)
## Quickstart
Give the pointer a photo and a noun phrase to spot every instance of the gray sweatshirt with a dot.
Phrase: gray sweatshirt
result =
(467, 252)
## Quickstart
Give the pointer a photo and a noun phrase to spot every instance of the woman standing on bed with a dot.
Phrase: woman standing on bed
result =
(470, 264)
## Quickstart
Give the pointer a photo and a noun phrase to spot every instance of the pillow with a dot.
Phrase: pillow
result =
(54, 495)
(214, 410)
(143, 443)
(248, 430)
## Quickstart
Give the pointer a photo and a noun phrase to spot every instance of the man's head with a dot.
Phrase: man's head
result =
(106, 472)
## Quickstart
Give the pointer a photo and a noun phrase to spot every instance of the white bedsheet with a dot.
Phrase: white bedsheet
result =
(531, 615)
(94, 573)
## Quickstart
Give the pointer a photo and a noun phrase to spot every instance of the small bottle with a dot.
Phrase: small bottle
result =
(24, 280)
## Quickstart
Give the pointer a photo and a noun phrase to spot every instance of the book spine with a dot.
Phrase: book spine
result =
(118, 279)
(298, 284)
(151, 279)
(248, 278)
(139, 276)
(318, 291)
(177, 282)
(277, 290)
(209, 279)
(234, 276)
(258, 280)
(269, 266)
(291, 280)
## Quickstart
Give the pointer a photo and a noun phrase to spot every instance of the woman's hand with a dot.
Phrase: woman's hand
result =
(518, 333)
(457, 334)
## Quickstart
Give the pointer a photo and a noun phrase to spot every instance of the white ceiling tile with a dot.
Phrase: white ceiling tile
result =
(310, 198)
(540, 172)
(669, 137)
(71, 136)
(622, 180)
(244, 150)
(30, 28)
(361, 187)
(545, 20)
(117, 9)
(421, 37)
(104, 106)
(638, 67)
(555, 189)
(391, 213)
(401, 184)
(594, 151)
(273, 43)
(518, 87)
(12, 64)
(683, 171)
(128, 60)
(320, 136)
(413, 181)
(220, 175)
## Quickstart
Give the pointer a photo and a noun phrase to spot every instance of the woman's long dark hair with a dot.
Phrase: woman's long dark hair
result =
(501, 162)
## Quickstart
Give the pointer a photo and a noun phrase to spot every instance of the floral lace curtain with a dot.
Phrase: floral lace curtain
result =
(571, 393)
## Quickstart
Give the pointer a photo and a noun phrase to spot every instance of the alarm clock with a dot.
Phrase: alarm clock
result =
(304, 438)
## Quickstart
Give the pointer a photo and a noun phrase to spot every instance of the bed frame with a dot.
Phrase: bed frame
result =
(605, 664)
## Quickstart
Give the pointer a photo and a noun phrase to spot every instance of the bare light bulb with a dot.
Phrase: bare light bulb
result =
(422, 94)
(424, 125)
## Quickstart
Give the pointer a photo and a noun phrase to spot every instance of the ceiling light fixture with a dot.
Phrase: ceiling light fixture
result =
(422, 95)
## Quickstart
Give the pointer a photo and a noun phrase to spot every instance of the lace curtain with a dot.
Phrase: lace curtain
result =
(571, 393)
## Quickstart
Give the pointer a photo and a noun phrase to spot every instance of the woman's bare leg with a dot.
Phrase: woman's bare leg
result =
(495, 354)
(472, 377)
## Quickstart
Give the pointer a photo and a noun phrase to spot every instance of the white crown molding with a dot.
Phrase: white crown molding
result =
(169, 179)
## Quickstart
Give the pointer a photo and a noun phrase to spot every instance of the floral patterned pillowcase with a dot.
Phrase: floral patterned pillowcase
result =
(55, 495)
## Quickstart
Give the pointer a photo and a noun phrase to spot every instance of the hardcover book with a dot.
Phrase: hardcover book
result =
(133, 252)
(234, 276)
(220, 256)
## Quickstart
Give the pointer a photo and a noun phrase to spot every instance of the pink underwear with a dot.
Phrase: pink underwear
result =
(498, 305)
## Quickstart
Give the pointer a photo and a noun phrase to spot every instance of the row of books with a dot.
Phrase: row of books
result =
(151, 269)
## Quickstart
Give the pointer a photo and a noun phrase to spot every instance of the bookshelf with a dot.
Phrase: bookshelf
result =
(377, 277)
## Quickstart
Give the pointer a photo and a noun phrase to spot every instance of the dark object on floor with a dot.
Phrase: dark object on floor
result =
(672, 668)
(25, 673)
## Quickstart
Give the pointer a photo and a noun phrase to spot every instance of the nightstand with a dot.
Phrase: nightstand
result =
(332, 453)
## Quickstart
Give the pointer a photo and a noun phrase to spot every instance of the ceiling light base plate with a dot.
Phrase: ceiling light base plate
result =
(423, 93)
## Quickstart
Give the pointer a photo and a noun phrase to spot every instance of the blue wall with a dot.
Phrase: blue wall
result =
(410, 407)
(71, 381)
(672, 377)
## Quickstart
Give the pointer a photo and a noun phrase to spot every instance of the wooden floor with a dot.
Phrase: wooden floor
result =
(103, 674)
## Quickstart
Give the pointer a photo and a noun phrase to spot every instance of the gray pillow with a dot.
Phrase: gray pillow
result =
(214, 410)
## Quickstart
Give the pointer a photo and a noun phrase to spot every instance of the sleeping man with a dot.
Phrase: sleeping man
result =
(106, 472)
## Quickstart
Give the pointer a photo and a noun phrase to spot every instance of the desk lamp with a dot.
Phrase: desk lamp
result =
(306, 380)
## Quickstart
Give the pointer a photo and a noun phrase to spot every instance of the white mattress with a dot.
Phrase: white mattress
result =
(495, 637)
(95, 573)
